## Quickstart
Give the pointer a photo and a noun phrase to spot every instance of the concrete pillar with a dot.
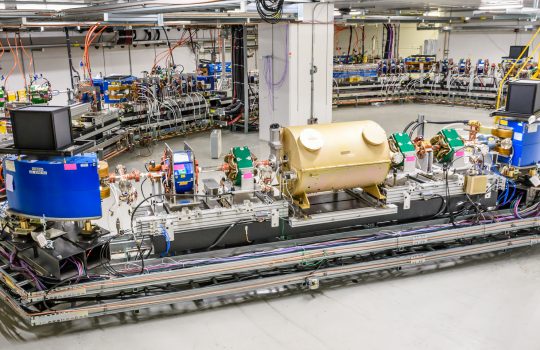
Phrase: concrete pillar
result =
(285, 66)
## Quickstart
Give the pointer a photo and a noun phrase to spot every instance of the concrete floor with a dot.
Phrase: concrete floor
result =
(482, 303)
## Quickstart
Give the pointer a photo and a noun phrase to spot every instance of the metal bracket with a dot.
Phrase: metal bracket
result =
(312, 283)
(275, 218)
(406, 200)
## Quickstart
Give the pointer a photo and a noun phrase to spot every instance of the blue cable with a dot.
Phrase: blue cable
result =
(502, 195)
(167, 240)
(507, 192)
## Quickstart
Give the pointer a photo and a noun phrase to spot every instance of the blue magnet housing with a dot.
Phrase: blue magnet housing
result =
(56, 188)
(112, 80)
(216, 68)
(183, 172)
(525, 144)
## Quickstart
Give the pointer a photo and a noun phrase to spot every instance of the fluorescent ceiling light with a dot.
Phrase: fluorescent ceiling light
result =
(45, 6)
(487, 5)
(337, 13)
(499, 7)
(111, 17)
(434, 13)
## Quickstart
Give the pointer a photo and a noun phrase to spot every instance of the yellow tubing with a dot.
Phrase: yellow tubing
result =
(499, 91)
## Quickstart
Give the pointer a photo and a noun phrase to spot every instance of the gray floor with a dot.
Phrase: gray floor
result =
(487, 303)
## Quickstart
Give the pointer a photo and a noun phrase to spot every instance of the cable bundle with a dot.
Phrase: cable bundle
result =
(92, 34)
(389, 43)
(270, 10)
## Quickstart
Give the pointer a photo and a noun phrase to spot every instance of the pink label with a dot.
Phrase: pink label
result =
(70, 166)
(460, 153)
(247, 176)
(179, 167)
(410, 158)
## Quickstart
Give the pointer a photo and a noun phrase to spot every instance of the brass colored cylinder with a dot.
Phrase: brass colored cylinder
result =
(335, 156)
(104, 191)
(103, 173)
(103, 169)
(502, 133)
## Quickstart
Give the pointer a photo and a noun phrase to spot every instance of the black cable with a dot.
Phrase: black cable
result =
(447, 122)
(442, 122)
(452, 218)
(222, 236)
(443, 206)
(350, 43)
(408, 126)
(180, 65)
(386, 53)
(363, 41)
(224, 233)
(232, 106)
(140, 252)
(142, 184)
(148, 34)
(414, 128)
(192, 43)
(270, 10)
(3, 231)
(235, 110)
(107, 264)
(476, 206)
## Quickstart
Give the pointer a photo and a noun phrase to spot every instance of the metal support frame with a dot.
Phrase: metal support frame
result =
(195, 283)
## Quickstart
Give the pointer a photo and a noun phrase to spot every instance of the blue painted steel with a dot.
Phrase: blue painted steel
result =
(115, 80)
(55, 188)
(419, 59)
(213, 74)
(525, 143)
(365, 73)
(216, 68)
(98, 82)
(207, 80)
(183, 171)
(481, 67)
(462, 65)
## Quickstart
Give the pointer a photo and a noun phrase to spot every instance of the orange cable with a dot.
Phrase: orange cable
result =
(30, 58)
(14, 61)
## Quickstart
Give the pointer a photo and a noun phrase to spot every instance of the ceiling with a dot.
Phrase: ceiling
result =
(60, 13)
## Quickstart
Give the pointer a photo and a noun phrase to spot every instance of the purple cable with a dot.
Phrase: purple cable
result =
(269, 72)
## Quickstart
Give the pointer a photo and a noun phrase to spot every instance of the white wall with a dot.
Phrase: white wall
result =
(372, 43)
(53, 63)
(290, 103)
(411, 40)
(482, 44)
(471, 44)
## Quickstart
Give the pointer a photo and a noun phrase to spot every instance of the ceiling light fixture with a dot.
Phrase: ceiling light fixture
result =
(493, 5)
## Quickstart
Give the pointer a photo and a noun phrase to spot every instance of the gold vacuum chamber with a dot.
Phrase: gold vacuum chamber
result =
(325, 157)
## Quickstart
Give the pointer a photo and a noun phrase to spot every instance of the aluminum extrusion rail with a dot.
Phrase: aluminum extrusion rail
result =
(183, 274)
(309, 278)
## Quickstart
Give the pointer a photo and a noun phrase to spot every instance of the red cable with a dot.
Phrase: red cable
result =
(235, 119)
